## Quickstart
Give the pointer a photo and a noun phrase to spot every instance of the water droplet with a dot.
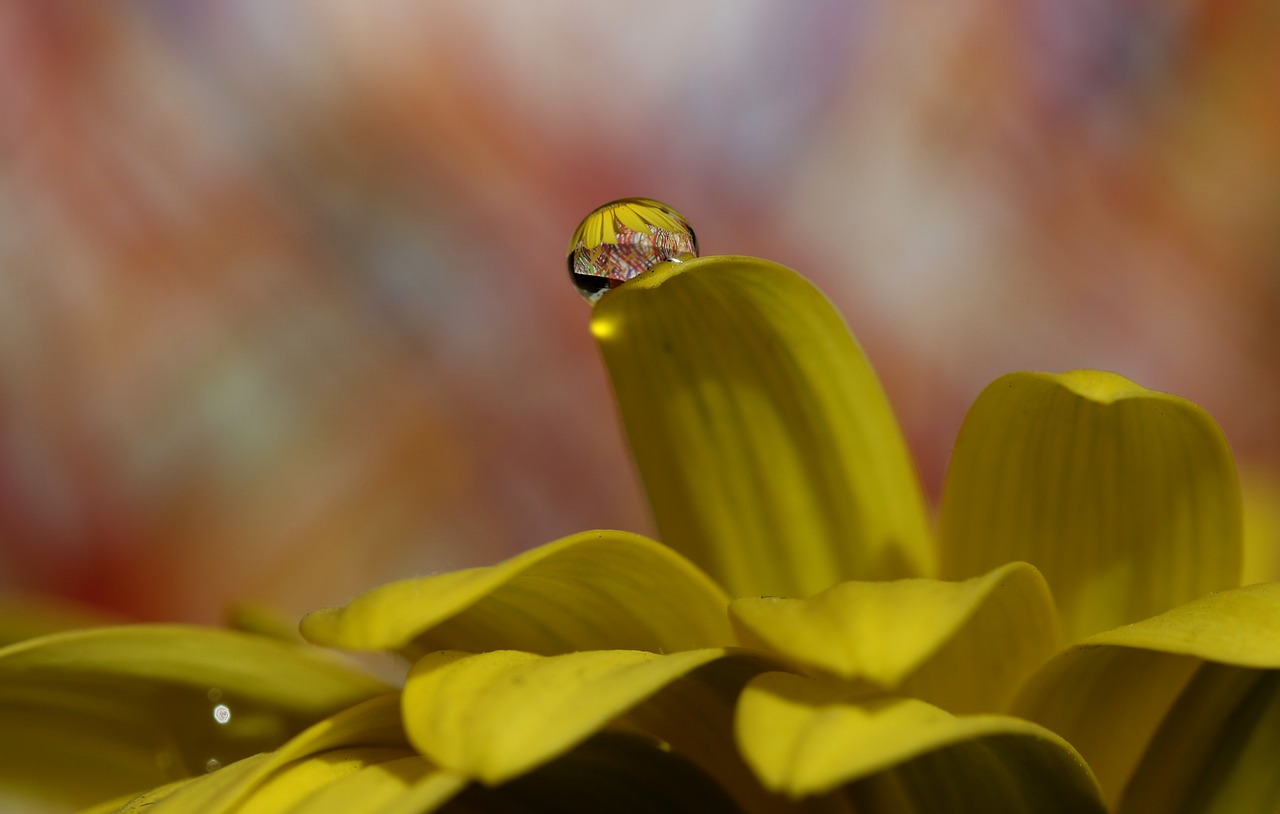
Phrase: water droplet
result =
(212, 765)
(222, 713)
(624, 239)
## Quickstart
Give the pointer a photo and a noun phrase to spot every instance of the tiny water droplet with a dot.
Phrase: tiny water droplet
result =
(212, 765)
(622, 240)
(222, 713)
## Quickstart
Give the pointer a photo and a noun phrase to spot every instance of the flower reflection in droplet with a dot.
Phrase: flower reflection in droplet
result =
(622, 240)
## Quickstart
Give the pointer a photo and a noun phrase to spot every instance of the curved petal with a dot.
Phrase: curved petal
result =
(496, 715)
(191, 791)
(594, 590)
(90, 715)
(804, 737)
(1261, 526)
(693, 717)
(1189, 670)
(1126, 499)
(965, 646)
(1217, 747)
(769, 451)
(291, 784)
(613, 772)
(363, 748)
(399, 784)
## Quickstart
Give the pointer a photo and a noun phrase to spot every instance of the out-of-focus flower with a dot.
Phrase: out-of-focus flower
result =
(911, 668)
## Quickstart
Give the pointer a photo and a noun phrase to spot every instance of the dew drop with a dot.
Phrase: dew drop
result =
(212, 765)
(622, 240)
(222, 713)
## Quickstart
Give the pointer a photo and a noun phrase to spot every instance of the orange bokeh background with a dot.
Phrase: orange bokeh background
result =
(285, 311)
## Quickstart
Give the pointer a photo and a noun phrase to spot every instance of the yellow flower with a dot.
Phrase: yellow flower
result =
(805, 640)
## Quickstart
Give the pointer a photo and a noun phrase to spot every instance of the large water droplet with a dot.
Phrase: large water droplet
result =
(622, 240)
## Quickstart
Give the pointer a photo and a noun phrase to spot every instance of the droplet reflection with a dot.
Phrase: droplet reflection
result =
(222, 713)
(622, 240)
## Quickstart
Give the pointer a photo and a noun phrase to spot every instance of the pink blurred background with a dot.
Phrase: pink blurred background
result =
(283, 303)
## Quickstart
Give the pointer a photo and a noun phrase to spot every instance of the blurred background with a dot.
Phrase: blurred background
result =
(283, 302)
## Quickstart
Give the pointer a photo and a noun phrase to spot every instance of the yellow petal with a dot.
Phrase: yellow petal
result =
(90, 715)
(1261, 526)
(193, 793)
(293, 783)
(497, 715)
(598, 589)
(1217, 748)
(611, 772)
(694, 717)
(361, 748)
(1110, 694)
(769, 451)
(1126, 499)
(964, 646)
(408, 785)
(804, 737)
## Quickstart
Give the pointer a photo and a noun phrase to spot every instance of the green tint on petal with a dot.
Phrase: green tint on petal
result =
(964, 646)
(594, 590)
(1126, 499)
(768, 449)
(804, 736)
(90, 715)
(497, 715)
(1110, 694)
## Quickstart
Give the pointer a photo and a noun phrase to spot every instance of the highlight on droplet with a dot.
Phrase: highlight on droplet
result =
(222, 713)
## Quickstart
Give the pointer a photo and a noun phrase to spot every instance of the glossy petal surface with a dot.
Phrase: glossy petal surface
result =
(964, 646)
(598, 589)
(123, 709)
(497, 715)
(1126, 499)
(804, 737)
(768, 449)
(1186, 673)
